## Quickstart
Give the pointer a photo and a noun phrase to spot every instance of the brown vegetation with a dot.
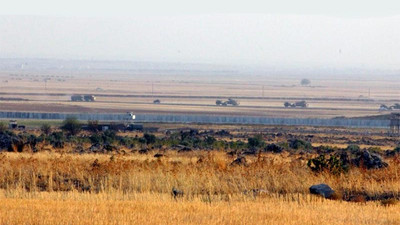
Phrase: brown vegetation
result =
(50, 188)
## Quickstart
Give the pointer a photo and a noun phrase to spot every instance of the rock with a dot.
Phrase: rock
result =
(370, 160)
(239, 161)
(158, 155)
(95, 148)
(176, 193)
(144, 151)
(322, 189)
(273, 148)
(394, 152)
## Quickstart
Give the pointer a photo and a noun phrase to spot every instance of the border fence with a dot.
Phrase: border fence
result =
(203, 119)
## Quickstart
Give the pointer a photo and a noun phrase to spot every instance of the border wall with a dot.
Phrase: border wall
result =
(204, 119)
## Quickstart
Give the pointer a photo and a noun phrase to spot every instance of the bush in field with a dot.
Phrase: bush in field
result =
(209, 141)
(394, 152)
(299, 144)
(71, 125)
(256, 141)
(93, 125)
(353, 148)
(57, 139)
(273, 148)
(150, 138)
(96, 139)
(46, 129)
(237, 145)
(3, 127)
(335, 164)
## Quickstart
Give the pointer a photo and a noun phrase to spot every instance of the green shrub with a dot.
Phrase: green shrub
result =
(299, 144)
(46, 129)
(3, 127)
(334, 164)
(57, 139)
(256, 141)
(353, 148)
(71, 125)
(150, 138)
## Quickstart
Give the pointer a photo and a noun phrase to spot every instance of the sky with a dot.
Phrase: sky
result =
(352, 8)
(285, 33)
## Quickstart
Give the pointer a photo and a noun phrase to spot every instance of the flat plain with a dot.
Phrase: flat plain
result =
(192, 94)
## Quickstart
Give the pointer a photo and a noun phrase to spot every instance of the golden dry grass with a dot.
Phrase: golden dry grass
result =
(153, 208)
(197, 173)
(52, 188)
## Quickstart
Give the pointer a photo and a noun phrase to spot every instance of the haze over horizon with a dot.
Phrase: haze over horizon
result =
(272, 35)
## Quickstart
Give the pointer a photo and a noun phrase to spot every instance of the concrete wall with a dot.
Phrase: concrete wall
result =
(175, 118)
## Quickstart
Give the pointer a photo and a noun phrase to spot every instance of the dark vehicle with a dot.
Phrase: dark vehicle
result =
(89, 98)
(300, 104)
(157, 101)
(230, 101)
(83, 98)
(77, 98)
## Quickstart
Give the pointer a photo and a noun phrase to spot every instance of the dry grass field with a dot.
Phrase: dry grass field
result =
(53, 188)
(150, 208)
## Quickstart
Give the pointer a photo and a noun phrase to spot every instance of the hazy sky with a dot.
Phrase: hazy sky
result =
(130, 7)
(311, 33)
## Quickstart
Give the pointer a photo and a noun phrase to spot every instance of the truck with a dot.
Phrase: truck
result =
(83, 98)
(230, 101)
(77, 98)
(89, 98)
(300, 104)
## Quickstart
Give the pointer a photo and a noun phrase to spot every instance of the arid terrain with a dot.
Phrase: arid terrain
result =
(191, 94)
(197, 174)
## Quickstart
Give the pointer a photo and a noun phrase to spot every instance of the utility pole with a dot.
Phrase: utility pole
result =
(45, 84)
(369, 93)
(263, 91)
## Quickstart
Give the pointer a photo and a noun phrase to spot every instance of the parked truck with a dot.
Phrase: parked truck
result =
(83, 98)
(300, 104)
(230, 101)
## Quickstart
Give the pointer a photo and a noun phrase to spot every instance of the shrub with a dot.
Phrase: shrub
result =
(395, 151)
(96, 139)
(274, 148)
(93, 125)
(3, 127)
(256, 141)
(150, 138)
(335, 164)
(71, 125)
(46, 129)
(209, 141)
(299, 144)
(57, 139)
(353, 148)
